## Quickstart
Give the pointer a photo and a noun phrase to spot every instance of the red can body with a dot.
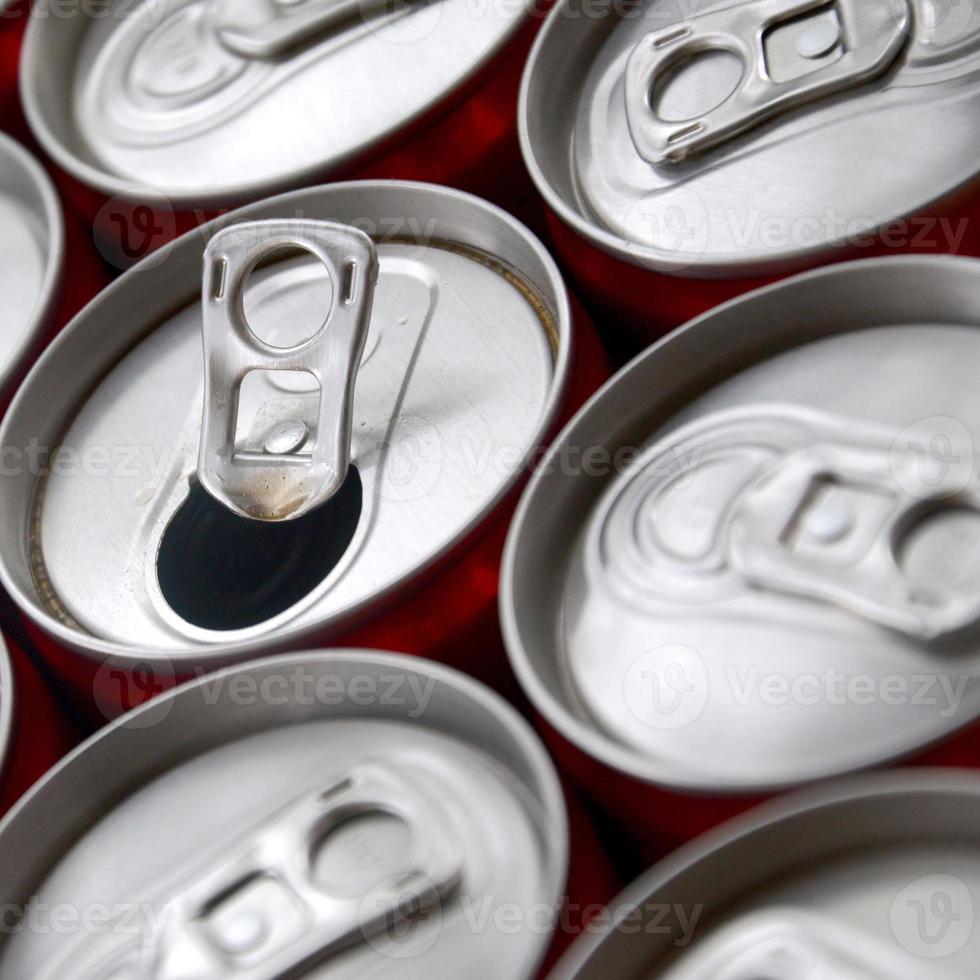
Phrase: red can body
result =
(447, 614)
(655, 820)
(468, 142)
(640, 305)
(41, 735)
(13, 23)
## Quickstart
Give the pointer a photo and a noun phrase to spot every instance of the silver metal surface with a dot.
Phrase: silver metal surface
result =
(876, 31)
(792, 501)
(273, 863)
(170, 96)
(771, 577)
(773, 195)
(465, 365)
(31, 254)
(873, 879)
(257, 481)
(267, 835)
(6, 706)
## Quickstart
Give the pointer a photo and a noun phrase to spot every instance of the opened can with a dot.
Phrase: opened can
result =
(341, 462)
(766, 574)
(872, 879)
(341, 814)
(34, 732)
(691, 153)
(162, 113)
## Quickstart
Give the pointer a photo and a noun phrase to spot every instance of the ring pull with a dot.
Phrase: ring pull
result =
(871, 34)
(261, 913)
(279, 482)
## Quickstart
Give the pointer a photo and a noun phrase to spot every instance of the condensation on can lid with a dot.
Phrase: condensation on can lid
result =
(751, 137)
(219, 100)
(875, 879)
(339, 815)
(463, 369)
(31, 253)
(775, 576)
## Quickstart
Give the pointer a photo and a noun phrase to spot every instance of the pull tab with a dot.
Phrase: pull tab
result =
(832, 522)
(281, 483)
(267, 29)
(871, 34)
(262, 914)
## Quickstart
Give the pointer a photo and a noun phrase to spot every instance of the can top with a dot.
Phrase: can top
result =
(170, 96)
(462, 369)
(774, 576)
(874, 879)
(31, 253)
(337, 815)
(6, 705)
(752, 137)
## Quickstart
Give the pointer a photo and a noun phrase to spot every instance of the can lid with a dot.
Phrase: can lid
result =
(7, 694)
(155, 95)
(751, 136)
(789, 553)
(31, 254)
(458, 379)
(870, 880)
(315, 815)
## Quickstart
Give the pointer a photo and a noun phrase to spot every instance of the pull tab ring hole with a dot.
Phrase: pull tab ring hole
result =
(697, 85)
(288, 297)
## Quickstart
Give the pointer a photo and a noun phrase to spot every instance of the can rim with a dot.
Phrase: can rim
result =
(231, 194)
(511, 723)
(588, 739)
(7, 700)
(55, 259)
(747, 264)
(221, 654)
(854, 789)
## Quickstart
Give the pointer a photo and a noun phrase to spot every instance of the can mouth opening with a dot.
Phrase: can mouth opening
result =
(219, 571)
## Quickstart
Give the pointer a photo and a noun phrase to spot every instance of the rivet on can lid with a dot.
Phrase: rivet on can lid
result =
(286, 437)
(819, 39)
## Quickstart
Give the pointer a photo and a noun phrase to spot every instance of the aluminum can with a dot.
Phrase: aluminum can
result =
(691, 152)
(872, 878)
(162, 113)
(34, 731)
(331, 814)
(766, 576)
(48, 269)
(150, 539)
